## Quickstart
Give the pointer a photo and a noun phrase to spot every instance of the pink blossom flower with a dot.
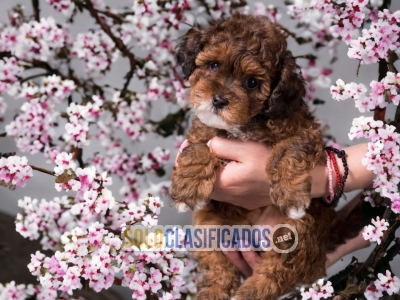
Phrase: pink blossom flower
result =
(374, 232)
(14, 170)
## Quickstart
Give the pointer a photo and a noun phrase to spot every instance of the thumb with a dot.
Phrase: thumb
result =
(227, 148)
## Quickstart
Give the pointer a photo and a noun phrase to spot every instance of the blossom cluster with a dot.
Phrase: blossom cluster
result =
(315, 23)
(383, 157)
(33, 128)
(90, 186)
(384, 284)
(116, 160)
(79, 118)
(373, 233)
(131, 119)
(96, 49)
(15, 291)
(47, 219)
(382, 92)
(34, 40)
(14, 171)
(319, 290)
(378, 40)
(97, 255)
(89, 254)
(10, 72)
(323, 20)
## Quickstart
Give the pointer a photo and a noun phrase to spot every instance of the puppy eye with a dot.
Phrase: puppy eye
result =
(251, 83)
(214, 65)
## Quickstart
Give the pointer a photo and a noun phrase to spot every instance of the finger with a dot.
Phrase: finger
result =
(236, 258)
(252, 258)
(183, 145)
(227, 148)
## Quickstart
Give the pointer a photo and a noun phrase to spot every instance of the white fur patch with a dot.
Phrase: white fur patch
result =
(296, 213)
(207, 115)
(200, 206)
(182, 207)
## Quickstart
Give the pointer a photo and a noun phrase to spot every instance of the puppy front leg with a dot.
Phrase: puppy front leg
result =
(288, 172)
(193, 177)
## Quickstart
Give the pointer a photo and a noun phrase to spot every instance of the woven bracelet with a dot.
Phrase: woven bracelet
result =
(342, 155)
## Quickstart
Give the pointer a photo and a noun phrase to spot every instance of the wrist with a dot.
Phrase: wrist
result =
(319, 181)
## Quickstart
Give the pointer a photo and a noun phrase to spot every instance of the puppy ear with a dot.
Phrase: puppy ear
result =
(186, 51)
(288, 94)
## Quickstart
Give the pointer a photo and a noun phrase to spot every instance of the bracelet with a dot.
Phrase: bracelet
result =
(336, 167)
(328, 165)
(341, 179)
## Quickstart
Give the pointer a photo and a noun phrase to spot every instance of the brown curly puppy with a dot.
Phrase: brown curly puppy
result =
(246, 85)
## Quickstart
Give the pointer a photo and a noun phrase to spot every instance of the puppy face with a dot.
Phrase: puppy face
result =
(239, 68)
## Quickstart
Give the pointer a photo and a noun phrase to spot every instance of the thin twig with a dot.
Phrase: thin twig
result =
(4, 134)
(43, 170)
(109, 14)
(128, 78)
(34, 76)
(287, 31)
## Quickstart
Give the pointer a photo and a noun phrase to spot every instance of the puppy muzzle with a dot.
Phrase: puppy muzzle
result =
(219, 101)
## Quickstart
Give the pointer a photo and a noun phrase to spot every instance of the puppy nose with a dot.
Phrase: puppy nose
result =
(219, 101)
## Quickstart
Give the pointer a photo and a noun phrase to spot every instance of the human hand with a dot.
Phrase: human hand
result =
(243, 180)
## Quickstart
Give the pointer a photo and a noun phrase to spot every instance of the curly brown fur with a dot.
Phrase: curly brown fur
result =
(245, 84)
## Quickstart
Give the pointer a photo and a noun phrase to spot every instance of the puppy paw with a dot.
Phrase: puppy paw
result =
(193, 177)
(181, 207)
(296, 213)
(292, 208)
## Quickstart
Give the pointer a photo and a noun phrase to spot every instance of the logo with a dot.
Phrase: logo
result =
(282, 238)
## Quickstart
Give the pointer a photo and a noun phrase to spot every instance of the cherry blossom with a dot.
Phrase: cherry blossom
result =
(96, 49)
(10, 71)
(381, 94)
(319, 290)
(374, 232)
(38, 40)
(385, 283)
(14, 171)
(375, 42)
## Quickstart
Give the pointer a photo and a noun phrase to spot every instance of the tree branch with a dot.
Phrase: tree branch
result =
(118, 43)
(36, 10)
(43, 170)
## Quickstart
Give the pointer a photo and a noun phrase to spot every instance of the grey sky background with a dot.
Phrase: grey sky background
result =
(338, 115)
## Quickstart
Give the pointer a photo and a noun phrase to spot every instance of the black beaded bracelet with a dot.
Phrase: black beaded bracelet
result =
(341, 154)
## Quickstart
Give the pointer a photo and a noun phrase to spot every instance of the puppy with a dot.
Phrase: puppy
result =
(246, 85)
